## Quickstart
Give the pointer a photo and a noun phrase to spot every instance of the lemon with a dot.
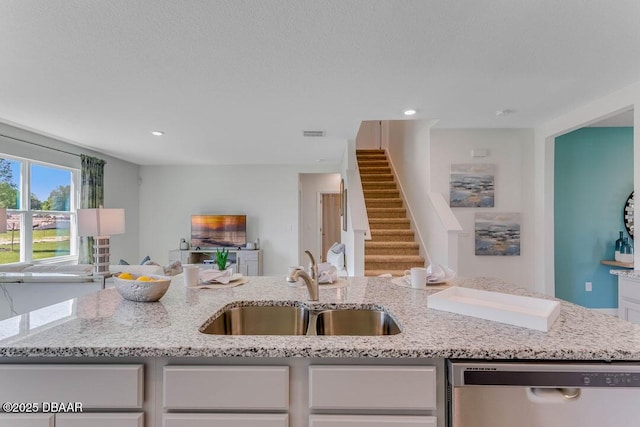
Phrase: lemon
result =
(126, 276)
(144, 279)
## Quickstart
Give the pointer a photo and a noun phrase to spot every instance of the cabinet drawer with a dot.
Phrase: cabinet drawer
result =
(371, 420)
(95, 386)
(226, 387)
(225, 420)
(629, 289)
(248, 255)
(372, 387)
(26, 420)
(100, 420)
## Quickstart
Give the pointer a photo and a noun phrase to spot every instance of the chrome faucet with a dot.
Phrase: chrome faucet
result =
(310, 280)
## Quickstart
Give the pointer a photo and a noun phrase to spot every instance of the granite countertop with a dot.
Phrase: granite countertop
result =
(633, 274)
(103, 324)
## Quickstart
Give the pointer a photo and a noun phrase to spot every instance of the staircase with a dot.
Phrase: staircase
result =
(392, 248)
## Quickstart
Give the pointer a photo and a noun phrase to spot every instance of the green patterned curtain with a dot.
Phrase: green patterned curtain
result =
(91, 196)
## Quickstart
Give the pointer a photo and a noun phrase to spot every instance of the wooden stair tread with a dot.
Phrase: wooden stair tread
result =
(375, 273)
(398, 244)
(383, 231)
(393, 258)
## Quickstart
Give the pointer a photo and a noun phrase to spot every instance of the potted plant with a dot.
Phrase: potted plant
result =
(221, 258)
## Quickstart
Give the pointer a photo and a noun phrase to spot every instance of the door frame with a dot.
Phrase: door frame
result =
(319, 222)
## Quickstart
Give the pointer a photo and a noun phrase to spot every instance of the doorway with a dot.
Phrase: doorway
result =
(312, 186)
(329, 223)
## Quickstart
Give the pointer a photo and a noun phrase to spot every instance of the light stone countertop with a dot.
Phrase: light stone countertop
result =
(103, 324)
(633, 274)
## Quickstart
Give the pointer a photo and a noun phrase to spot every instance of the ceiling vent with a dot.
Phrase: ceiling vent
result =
(312, 133)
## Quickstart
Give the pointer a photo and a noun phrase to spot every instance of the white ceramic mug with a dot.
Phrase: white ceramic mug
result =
(191, 275)
(417, 277)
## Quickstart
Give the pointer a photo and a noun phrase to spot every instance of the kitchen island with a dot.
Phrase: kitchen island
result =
(160, 370)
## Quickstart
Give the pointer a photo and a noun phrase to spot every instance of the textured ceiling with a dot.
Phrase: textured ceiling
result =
(237, 81)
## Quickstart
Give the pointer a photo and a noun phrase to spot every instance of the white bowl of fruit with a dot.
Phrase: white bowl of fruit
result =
(142, 288)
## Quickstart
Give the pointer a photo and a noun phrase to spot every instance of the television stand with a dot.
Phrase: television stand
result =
(245, 262)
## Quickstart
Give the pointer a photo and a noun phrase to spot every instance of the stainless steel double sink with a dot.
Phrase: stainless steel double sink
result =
(300, 320)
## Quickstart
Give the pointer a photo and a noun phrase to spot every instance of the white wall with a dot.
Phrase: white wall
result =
(311, 185)
(121, 179)
(511, 151)
(422, 157)
(408, 145)
(369, 137)
(268, 195)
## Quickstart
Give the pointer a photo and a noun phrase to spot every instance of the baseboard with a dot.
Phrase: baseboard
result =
(610, 311)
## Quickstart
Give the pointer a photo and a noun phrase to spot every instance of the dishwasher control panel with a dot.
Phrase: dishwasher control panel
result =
(545, 375)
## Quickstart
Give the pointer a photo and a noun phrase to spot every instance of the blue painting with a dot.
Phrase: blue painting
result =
(497, 234)
(472, 186)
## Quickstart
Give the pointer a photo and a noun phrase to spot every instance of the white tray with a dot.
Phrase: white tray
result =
(534, 313)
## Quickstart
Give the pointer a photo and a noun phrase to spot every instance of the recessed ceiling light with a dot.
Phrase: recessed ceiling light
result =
(157, 132)
(409, 112)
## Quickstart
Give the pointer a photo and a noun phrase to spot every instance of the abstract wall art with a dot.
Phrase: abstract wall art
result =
(472, 185)
(497, 233)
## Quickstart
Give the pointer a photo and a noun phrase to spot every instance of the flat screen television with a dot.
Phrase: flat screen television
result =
(216, 231)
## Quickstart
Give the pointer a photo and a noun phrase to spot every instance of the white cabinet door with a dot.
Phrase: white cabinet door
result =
(249, 263)
(261, 388)
(371, 421)
(95, 386)
(26, 420)
(629, 299)
(225, 420)
(372, 387)
(629, 310)
(100, 420)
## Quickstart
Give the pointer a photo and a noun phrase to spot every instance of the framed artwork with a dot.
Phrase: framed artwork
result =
(341, 197)
(344, 209)
(472, 185)
(497, 234)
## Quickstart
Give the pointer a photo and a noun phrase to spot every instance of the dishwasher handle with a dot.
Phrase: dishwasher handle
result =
(552, 395)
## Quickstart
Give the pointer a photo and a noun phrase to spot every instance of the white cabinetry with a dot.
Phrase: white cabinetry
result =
(94, 388)
(250, 263)
(100, 420)
(371, 421)
(247, 262)
(629, 299)
(372, 387)
(226, 389)
(225, 420)
(27, 420)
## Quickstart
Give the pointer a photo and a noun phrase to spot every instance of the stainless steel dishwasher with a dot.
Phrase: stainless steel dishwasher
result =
(543, 394)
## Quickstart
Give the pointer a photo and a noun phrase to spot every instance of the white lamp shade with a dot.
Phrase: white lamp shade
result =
(100, 222)
(3, 220)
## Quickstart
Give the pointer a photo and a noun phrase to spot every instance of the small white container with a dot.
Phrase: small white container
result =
(534, 313)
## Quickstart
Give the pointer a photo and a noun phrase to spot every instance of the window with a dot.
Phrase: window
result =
(41, 210)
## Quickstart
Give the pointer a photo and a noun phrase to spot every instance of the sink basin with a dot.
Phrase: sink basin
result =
(300, 320)
(366, 322)
(268, 320)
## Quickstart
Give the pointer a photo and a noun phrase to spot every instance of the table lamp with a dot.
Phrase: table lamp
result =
(100, 223)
